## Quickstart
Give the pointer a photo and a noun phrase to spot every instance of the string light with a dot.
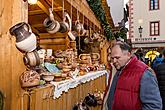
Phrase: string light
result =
(32, 2)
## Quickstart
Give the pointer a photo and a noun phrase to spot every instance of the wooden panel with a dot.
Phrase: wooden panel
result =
(50, 36)
(1, 11)
(52, 41)
(11, 62)
(38, 11)
(54, 47)
(42, 100)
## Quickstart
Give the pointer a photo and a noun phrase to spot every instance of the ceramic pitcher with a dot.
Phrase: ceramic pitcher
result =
(25, 39)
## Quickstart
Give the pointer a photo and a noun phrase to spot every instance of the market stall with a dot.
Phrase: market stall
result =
(52, 53)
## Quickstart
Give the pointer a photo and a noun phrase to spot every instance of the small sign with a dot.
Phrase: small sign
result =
(144, 39)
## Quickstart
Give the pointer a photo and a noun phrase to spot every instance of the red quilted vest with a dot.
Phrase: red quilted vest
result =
(128, 86)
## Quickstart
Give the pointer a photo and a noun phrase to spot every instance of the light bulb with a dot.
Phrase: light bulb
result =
(32, 1)
(140, 21)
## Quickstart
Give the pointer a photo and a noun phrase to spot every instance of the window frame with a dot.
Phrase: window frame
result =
(154, 4)
(155, 30)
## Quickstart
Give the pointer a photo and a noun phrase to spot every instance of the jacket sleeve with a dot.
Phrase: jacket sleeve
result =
(149, 92)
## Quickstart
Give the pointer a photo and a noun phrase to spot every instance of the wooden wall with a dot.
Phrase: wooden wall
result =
(11, 63)
(58, 41)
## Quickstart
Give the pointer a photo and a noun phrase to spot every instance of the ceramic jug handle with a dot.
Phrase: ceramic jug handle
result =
(77, 22)
(98, 56)
(51, 14)
(80, 56)
(28, 27)
(66, 16)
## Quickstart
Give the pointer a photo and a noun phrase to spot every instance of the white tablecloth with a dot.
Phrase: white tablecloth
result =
(64, 86)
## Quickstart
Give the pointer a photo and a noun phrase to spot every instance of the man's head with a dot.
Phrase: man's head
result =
(120, 54)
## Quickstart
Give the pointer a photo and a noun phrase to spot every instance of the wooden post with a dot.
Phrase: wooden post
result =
(11, 63)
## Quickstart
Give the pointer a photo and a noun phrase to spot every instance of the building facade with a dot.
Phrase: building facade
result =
(146, 23)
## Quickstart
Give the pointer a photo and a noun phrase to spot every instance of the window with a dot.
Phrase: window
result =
(154, 4)
(154, 28)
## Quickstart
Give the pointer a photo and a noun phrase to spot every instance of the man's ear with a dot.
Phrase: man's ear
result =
(129, 54)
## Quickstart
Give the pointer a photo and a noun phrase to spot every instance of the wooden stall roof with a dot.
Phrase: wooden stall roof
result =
(107, 12)
(38, 12)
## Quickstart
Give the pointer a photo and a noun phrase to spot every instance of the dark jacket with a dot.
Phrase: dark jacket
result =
(160, 72)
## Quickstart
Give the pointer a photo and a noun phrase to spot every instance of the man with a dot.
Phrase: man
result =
(134, 86)
(160, 72)
(158, 60)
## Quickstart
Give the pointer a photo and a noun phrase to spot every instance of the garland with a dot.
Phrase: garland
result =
(100, 14)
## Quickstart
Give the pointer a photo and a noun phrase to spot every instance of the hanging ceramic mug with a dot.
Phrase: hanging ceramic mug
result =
(31, 59)
(79, 27)
(71, 36)
(25, 39)
(84, 32)
(52, 26)
(65, 26)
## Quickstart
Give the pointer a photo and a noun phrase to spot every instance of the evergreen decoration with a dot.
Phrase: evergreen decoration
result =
(96, 7)
(122, 33)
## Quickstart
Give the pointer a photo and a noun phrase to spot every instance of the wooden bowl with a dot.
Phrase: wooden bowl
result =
(48, 78)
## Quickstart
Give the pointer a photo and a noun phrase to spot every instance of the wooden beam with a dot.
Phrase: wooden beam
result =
(53, 41)
(44, 6)
(83, 7)
(56, 35)
(37, 25)
(35, 12)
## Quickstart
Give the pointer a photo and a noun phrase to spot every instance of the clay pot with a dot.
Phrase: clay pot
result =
(95, 56)
(31, 58)
(66, 69)
(65, 26)
(90, 100)
(51, 26)
(48, 76)
(84, 56)
(79, 27)
(25, 39)
(71, 35)
(29, 78)
(59, 65)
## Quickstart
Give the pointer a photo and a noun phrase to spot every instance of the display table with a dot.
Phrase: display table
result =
(63, 95)
(64, 86)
